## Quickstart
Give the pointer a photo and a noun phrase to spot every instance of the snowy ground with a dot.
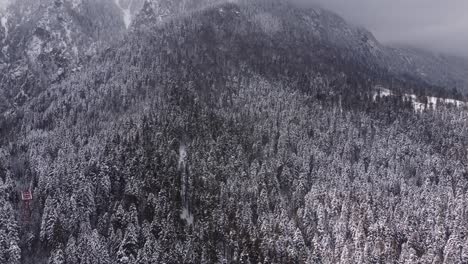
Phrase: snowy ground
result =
(186, 214)
(432, 102)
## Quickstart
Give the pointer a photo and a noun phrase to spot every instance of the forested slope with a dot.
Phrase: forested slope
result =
(232, 134)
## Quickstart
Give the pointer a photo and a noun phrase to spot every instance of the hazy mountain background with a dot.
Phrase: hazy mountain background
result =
(429, 24)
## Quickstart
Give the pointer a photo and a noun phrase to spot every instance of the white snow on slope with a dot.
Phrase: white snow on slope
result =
(4, 22)
(127, 14)
(381, 92)
(35, 48)
(76, 3)
(432, 102)
(187, 216)
(182, 156)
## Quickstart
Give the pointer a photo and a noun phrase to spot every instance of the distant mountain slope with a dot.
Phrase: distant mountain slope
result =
(49, 40)
(43, 41)
(443, 70)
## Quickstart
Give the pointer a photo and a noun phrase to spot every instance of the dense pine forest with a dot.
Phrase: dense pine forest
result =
(228, 132)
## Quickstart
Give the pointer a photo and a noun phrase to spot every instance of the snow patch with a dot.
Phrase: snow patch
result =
(127, 17)
(385, 92)
(35, 48)
(432, 101)
(127, 14)
(4, 23)
(457, 103)
(182, 156)
(187, 216)
(381, 92)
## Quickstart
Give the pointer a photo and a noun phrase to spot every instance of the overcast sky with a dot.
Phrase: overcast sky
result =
(440, 25)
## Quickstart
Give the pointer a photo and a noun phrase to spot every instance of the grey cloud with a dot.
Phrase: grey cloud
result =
(439, 25)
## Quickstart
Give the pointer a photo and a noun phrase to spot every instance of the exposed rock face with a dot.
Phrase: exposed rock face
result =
(43, 41)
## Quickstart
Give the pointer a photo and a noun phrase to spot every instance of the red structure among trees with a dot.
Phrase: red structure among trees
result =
(26, 196)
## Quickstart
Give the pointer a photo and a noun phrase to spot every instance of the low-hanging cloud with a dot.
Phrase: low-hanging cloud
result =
(439, 25)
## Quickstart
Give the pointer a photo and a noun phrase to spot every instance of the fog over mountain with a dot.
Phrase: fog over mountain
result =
(436, 25)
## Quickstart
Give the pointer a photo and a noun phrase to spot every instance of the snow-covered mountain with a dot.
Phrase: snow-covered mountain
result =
(129, 9)
(248, 131)
(41, 41)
